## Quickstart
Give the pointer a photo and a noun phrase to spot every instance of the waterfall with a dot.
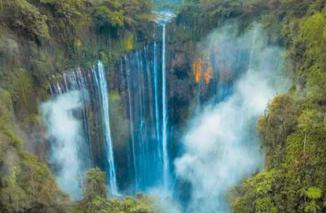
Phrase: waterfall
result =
(144, 86)
(65, 116)
(156, 97)
(101, 85)
(91, 142)
(140, 70)
(144, 72)
(164, 113)
(163, 18)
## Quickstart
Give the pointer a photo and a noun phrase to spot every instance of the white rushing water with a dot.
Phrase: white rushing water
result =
(163, 18)
(101, 82)
(164, 116)
(67, 117)
(156, 98)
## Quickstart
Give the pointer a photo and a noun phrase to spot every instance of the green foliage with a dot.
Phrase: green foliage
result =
(40, 39)
(259, 194)
(112, 15)
(19, 83)
(127, 205)
(316, 85)
(293, 129)
(20, 86)
(311, 207)
(95, 184)
(95, 199)
(128, 42)
(26, 185)
(13, 197)
(313, 193)
(8, 49)
(55, 35)
(275, 126)
(313, 34)
(201, 16)
(40, 186)
(7, 129)
(24, 18)
(109, 13)
(67, 9)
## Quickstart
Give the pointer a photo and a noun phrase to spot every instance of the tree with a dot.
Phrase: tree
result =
(95, 185)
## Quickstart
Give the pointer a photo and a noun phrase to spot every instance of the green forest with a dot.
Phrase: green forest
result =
(42, 39)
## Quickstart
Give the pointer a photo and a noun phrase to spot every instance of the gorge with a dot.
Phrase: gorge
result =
(241, 82)
(162, 106)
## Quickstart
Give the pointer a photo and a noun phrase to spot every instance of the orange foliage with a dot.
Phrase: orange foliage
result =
(208, 75)
(197, 66)
(202, 71)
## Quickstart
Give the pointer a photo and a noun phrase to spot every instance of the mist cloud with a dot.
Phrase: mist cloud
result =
(221, 146)
(64, 132)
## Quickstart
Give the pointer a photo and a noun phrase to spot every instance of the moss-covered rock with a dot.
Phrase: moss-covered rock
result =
(95, 198)
(26, 185)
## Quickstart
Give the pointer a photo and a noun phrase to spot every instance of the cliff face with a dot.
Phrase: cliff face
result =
(291, 131)
(42, 39)
(39, 40)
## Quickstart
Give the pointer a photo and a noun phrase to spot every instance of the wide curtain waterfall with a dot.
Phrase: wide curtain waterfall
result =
(144, 77)
(143, 82)
(88, 139)
(140, 72)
